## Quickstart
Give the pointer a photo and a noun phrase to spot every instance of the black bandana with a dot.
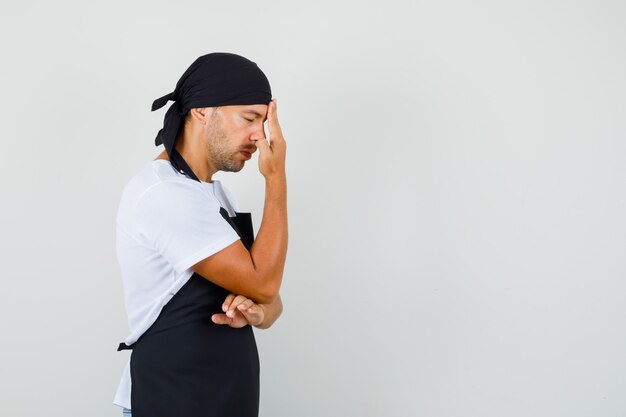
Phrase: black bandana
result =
(216, 79)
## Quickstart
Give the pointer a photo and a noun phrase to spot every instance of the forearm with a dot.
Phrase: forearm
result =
(272, 311)
(269, 250)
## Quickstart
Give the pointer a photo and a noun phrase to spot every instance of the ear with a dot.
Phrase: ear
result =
(198, 114)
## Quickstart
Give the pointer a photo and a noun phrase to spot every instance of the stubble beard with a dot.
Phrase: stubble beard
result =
(220, 156)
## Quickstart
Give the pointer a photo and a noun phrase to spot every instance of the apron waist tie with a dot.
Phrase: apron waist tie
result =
(124, 346)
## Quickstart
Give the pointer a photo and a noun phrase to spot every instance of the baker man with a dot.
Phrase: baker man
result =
(195, 279)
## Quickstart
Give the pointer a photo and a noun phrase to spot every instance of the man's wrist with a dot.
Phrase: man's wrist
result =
(262, 325)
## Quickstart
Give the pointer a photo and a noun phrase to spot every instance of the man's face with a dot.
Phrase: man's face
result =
(231, 131)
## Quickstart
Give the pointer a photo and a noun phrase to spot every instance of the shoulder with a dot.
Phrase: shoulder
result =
(159, 187)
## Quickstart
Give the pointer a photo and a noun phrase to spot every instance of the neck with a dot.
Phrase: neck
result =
(193, 153)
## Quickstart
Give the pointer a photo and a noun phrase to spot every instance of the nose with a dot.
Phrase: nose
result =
(257, 137)
(257, 134)
(254, 146)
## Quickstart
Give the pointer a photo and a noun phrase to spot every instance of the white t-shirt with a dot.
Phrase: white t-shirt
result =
(166, 223)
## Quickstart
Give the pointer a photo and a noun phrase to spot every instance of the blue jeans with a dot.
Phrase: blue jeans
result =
(126, 412)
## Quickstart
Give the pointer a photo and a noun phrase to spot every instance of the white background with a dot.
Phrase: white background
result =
(456, 187)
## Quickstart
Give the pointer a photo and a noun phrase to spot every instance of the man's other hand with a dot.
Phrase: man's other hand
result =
(239, 311)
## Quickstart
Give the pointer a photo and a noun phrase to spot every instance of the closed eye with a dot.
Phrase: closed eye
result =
(250, 120)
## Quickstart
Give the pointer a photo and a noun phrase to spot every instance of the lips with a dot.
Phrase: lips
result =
(247, 154)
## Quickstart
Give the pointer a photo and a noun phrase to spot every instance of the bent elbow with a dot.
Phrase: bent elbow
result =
(265, 298)
(267, 294)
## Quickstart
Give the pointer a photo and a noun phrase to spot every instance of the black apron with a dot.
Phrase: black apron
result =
(185, 365)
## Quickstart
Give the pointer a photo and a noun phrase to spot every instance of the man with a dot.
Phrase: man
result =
(195, 278)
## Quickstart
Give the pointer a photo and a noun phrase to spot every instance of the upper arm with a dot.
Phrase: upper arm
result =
(184, 225)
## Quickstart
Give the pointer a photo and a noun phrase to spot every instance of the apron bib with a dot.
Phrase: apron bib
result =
(186, 365)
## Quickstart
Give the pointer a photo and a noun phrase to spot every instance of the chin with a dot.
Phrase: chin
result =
(233, 168)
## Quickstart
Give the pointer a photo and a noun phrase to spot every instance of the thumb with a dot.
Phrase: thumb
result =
(221, 319)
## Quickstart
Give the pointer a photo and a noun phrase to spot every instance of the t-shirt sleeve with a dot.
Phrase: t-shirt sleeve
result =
(183, 223)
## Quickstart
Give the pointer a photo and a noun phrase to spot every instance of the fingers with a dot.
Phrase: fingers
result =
(238, 300)
(245, 306)
(272, 122)
(254, 315)
(249, 312)
(229, 299)
(262, 145)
